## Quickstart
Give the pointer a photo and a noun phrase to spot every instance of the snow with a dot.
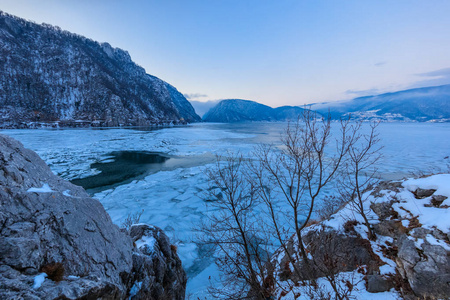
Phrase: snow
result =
(39, 280)
(44, 189)
(359, 290)
(148, 241)
(439, 182)
(430, 217)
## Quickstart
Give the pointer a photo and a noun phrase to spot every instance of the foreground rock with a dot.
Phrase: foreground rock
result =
(57, 242)
(408, 259)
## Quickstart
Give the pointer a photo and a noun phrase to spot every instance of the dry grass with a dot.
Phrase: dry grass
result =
(54, 271)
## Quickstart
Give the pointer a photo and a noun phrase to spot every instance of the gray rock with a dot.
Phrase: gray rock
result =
(420, 232)
(383, 209)
(391, 228)
(436, 200)
(423, 193)
(378, 284)
(427, 270)
(41, 226)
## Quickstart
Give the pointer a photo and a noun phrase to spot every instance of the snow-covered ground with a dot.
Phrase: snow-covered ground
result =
(172, 198)
(408, 207)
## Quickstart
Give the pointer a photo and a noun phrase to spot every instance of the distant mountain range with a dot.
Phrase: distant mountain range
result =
(429, 104)
(420, 104)
(237, 110)
(51, 75)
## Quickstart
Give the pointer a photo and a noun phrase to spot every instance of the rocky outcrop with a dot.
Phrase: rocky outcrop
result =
(423, 263)
(52, 231)
(156, 266)
(410, 251)
(49, 76)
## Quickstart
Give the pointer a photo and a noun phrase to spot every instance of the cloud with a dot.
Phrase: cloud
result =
(438, 73)
(433, 78)
(194, 96)
(360, 93)
(381, 63)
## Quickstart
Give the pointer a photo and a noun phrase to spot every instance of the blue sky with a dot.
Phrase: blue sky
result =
(279, 52)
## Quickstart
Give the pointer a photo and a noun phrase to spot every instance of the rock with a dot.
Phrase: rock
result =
(43, 227)
(391, 228)
(427, 270)
(386, 185)
(436, 200)
(378, 284)
(420, 232)
(348, 252)
(156, 265)
(383, 209)
(423, 193)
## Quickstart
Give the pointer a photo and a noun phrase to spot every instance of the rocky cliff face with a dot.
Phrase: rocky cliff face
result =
(58, 243)
(236, 110)
(49, 75)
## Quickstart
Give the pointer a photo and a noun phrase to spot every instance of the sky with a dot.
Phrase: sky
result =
(277, 52)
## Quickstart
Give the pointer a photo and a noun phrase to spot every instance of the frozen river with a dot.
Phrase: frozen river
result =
(162, 171)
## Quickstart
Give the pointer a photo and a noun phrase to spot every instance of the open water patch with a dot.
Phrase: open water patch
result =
(121, 167)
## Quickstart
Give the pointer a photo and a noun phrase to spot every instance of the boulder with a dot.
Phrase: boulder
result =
(423, 193)
(51, 226)
(427, 269)
(377, 284)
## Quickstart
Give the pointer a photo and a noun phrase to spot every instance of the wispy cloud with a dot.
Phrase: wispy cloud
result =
(433, 78)
(360, 93)
(381, 63)
(438, 73)
(194, 96)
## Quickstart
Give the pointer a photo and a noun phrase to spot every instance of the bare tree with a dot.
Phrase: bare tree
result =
(294, 176)
(285, 182)
(359, 171)
(233, 230)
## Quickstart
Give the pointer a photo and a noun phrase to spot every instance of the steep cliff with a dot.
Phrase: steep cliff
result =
(49, 75)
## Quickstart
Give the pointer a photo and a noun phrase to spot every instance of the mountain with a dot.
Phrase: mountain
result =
(237, 110)
(420, 104)
(49, 75)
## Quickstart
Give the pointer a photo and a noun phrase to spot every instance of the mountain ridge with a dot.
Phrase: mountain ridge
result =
(52, 75)
(426, 104)
(239, 110)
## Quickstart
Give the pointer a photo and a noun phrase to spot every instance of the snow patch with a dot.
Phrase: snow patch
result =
(39, 280)
(145, 240)
(44, 189)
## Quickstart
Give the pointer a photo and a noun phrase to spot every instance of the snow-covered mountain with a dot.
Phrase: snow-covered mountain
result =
(237, 110)
(420, 104)
(48, 74)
